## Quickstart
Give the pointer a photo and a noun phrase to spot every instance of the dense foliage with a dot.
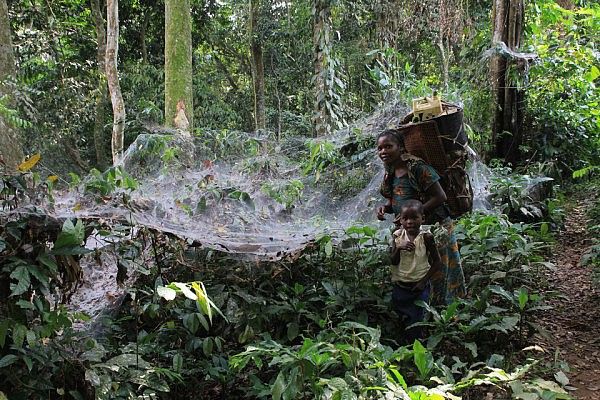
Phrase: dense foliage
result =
(318, 326)
(197, 323)
(57, 80)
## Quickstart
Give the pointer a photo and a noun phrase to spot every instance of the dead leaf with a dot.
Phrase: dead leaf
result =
(30, 163)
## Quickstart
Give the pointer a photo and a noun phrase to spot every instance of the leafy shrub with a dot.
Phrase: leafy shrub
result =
(39, 264)
(493, 249)
(106, 183)
(286, 194)
(517, 195)
(562, 97)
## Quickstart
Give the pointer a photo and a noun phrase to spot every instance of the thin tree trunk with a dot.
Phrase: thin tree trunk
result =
(100, 139)
(322, 52)
(179, 106)
(112, 51)
(497, 71)
(445, 57)
(514, 95)
(143, 29)
(226, 72)
(506, 130)
(258, 68)
(11, 153)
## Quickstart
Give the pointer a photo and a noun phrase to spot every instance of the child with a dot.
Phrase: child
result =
(415, 259)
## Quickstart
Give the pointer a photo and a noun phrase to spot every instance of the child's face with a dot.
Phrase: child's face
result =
(411, 219)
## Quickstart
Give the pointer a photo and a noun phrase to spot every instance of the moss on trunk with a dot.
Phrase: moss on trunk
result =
(178, 60)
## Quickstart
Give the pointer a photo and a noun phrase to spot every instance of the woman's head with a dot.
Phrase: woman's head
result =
(390, 147)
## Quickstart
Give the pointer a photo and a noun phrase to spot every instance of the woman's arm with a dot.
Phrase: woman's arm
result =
(436, 197)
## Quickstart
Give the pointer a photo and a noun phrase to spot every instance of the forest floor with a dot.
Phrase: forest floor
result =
(573, 323)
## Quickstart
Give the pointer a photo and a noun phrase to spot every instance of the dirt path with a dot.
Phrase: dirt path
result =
(574, 321)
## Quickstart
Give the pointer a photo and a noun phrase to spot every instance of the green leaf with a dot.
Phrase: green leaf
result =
(592, 74)
(177, 362)
(48, 262)
(472, 348)
(28, 362)
(292, 330)
(207, 346)
(39, 275)
(76, 395)
(71, 235)
(399, 378)
(21, 275)
(191, 323)
(3, 330)
(31, 338)
(423, 359)
(561, 378)
(523, 298)
(92, 377)
(7, 360)
(328, 248)
(246, 335)
(203, 321)
(202, 299)
(185, 290)
(278, 387)
(166, 293)
(18, 335)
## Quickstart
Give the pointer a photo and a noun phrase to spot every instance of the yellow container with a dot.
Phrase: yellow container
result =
(426, 108)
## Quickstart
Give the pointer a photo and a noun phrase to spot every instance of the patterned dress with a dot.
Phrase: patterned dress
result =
(450, 282)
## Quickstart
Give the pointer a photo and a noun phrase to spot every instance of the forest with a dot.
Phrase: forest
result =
(191, 199)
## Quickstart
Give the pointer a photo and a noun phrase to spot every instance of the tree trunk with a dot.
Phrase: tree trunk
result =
(258, 69)
(445, 58)
(143, 29)
(386, 23)
(100, 139)
(508, 18)
(322, 52)
(112, 51)
(179, 106)
(11, 153)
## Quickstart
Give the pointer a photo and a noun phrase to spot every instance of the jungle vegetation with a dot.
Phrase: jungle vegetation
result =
(80, 81)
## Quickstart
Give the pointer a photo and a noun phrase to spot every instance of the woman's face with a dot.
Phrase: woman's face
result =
(389, 150)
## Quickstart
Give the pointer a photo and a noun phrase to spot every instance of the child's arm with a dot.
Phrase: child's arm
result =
(397, 246)
(434, 260)
(394, 252)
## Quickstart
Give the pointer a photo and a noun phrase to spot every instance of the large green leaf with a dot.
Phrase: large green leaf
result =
(21, 275)
(423, 359)
(279, 386)
(18, 335)
(7, 360)
(191, 323)
(71, 235)
(166, 292)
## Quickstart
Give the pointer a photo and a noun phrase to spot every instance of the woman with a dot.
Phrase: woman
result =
(408, 177)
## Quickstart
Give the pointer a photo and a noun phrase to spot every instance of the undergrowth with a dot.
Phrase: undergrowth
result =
(318, 325)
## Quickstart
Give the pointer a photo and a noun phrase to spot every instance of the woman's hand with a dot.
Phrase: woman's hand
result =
(381, 213)
(384, 209)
